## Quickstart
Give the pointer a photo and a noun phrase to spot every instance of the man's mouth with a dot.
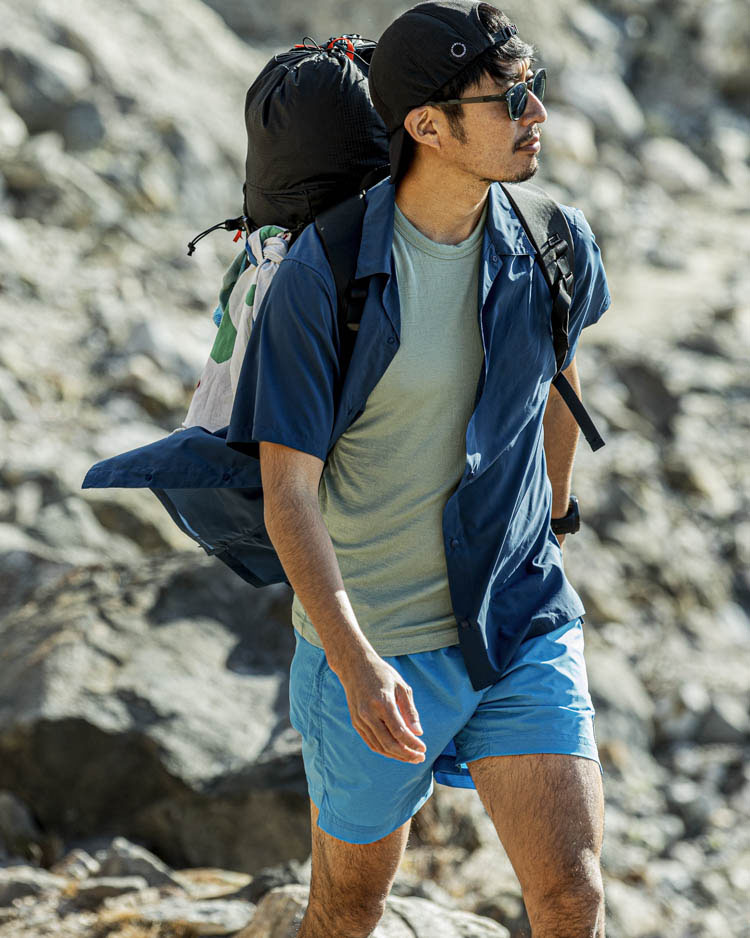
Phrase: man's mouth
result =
(531, 143)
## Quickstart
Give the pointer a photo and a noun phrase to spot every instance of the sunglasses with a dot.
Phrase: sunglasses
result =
(517, 97)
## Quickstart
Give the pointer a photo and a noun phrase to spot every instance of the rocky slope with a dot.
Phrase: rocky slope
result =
(143, 687)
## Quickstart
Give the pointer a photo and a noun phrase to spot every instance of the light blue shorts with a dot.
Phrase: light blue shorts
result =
(541, 704)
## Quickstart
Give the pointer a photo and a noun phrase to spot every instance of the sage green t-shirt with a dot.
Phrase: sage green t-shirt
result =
(387, 480)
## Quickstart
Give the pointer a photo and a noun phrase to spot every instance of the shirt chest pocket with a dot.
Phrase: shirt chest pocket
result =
(517, 324)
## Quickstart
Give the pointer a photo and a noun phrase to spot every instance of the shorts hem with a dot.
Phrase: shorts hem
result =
(570, 746)
(336, 826)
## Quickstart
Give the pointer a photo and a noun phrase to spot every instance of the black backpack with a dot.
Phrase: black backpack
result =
(314, 137)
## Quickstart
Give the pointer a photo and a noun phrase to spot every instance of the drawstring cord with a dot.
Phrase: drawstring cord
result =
(229, 224)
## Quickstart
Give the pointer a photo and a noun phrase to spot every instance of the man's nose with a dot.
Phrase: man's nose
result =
(534, 112)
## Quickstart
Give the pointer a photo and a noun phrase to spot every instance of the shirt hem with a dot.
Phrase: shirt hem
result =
(389, 650)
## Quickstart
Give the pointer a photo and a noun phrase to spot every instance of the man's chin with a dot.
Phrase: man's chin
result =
(525, 173)
(521, 176)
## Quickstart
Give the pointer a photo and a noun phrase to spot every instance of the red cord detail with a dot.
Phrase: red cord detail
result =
(349, 46)
(237, 237)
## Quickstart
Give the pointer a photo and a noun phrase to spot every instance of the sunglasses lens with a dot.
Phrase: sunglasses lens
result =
(539, 84)
(517, 99)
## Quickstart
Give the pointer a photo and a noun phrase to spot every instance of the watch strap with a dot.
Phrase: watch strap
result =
(570, 523)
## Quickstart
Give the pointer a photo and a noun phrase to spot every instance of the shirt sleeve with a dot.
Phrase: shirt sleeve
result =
(591, 296)
(286, 388)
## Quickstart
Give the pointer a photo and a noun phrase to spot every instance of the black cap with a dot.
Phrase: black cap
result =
(421, 51)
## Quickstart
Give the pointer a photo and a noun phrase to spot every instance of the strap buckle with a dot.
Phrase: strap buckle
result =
(506, 33)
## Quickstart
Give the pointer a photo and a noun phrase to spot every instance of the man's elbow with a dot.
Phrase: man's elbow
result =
(290, 481)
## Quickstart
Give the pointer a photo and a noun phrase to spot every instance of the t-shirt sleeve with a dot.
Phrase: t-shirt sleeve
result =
(591, 293)
(286, 388)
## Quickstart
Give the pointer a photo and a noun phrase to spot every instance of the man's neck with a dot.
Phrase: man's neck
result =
(446, 211)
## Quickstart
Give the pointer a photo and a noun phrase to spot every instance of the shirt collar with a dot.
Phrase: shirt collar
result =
(503, 229)
(377, 231)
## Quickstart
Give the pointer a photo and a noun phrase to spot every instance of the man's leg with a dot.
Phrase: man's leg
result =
(350, 882)
(548, 810)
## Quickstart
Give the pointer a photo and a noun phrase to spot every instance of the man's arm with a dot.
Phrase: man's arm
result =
(560, 442)
(380, 701)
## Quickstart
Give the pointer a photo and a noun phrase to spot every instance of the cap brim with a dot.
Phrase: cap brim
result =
(396, 146)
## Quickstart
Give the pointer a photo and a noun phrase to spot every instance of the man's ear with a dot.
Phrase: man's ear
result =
(425, 125)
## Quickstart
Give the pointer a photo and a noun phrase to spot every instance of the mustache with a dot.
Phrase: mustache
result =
(536, 135)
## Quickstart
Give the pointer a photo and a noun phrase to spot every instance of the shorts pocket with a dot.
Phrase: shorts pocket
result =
(308, 666)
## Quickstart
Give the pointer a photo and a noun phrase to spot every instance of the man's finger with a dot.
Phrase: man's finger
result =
(407, 708)
(389, 745)
(400, 731)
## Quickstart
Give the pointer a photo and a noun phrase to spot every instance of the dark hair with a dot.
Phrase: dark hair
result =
(498, 62)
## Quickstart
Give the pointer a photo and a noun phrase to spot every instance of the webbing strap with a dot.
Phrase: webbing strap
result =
(340, 230)
(549, 233)
(588, 429)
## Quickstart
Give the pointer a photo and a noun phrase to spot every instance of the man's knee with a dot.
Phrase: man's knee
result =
(348, 915)
(570, 904)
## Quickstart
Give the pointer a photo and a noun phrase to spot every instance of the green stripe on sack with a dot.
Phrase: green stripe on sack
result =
(237, 267)
(269, 231)
(224, 342)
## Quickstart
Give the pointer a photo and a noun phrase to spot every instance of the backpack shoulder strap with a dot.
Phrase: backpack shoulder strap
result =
(549, 233)
(340, 230)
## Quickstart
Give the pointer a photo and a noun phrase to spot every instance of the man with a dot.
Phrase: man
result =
(436, 631)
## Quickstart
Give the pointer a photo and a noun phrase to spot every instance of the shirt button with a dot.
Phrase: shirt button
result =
(391, 340)
(494, 258)
(464, 623)
(149, 476)
(454, 542)
(227, 476)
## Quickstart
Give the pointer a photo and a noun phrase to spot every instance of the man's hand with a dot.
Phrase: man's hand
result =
(382, 708)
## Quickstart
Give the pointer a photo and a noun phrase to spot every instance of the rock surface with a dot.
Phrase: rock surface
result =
(125, 718)
(280, 912)
(150, 783)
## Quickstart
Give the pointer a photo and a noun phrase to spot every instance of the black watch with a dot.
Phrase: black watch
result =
(569, 523)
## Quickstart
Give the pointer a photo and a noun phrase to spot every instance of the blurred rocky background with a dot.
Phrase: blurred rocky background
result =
(150, 783)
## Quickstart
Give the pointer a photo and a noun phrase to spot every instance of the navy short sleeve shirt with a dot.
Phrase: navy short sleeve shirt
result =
(504, 563)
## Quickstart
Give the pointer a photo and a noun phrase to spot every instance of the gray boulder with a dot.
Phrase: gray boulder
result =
(674, 166)
(196, 916)
(153, 704)
(13, 131)
(41, 79)
(19, 881)
(727, 721)
(77, 864)
(124, 859)
(25, 565)
(93, 891)
(624, 709)
(19, 832)
(281, 910)
(605, 99)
